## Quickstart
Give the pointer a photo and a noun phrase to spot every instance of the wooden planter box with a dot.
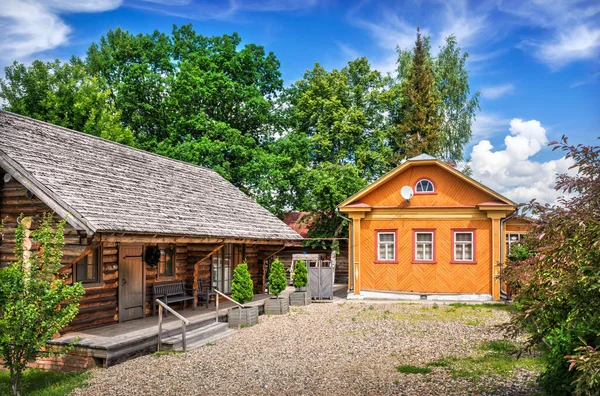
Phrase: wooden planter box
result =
(277, 306)
(249, 317)
(300, 298)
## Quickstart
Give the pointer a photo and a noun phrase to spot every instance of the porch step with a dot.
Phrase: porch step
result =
(198, 337)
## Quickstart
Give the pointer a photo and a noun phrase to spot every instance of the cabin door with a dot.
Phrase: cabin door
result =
(131, 282)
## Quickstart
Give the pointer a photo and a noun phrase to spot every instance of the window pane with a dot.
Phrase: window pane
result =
(428, 251)
(419, 252)
(468, 252)
(387, 237)
(463, 236)
(458, 252)
(390, 251)
(424, 237)
(382, 252)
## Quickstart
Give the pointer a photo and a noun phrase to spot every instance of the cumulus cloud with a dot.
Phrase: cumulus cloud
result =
(512, 172)
(29, 27)
(497, 91)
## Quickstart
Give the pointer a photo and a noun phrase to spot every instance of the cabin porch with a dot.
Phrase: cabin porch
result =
(111, 344)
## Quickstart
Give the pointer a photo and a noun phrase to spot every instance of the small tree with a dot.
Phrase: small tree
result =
(300, 278)
(277, 281)
(35, 303)
(242, 288)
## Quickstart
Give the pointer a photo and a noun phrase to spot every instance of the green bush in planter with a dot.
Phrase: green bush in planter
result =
(242, 288)
(277, 279)
(300, 277)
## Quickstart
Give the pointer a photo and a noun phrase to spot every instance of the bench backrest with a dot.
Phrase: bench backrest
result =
(168, 289)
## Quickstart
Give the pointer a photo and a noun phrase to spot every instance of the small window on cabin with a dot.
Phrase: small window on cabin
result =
(463, 246)
(423, 246)
(166, 264)
(386, 246)
(513, 238)
(87, 270)
(424, 186)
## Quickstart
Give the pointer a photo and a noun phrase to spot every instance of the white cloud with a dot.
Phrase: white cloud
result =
(29, 27)
(347, 50)
(487, 125)
(570, 29)
(497, 91)
(512, 172)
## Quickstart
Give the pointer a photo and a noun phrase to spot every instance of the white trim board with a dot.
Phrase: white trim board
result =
(383, 295)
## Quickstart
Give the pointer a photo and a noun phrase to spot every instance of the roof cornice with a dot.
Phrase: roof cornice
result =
(44, 194)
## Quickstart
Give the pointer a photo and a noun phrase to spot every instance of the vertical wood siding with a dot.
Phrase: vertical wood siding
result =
(450, 190)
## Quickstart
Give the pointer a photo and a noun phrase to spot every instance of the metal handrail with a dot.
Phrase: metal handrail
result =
(184, 323)
(233, 301)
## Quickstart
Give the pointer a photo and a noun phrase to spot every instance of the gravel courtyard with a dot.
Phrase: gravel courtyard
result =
(340, 348)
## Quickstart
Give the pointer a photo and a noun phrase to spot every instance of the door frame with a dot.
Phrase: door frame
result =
(120, 294)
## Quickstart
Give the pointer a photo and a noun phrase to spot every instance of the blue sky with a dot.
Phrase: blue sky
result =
(536, 64)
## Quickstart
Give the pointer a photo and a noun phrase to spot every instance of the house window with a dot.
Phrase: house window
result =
(424, 248)
(513, 238)
(424, 186)
(87, 270)
(223, 264)
(386, 246)
(464, 246)
(166, 263)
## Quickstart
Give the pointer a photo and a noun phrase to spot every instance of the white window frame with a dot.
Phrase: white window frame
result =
(463, 243)
(417, 243)
(379, 243)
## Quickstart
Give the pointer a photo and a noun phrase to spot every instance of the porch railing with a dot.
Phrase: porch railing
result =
(184, 323)
(233, 301)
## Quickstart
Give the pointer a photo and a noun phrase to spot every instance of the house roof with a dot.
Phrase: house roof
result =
(99, 185)
(425, 159)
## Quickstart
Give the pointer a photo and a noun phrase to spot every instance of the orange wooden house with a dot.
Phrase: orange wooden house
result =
(446, 242)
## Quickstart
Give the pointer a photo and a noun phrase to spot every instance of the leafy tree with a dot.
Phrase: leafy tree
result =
(418, 119)
(63, 94)
(300, 277)
(277, 279)
(242, 287)
(35, 303)
(457, 108)
(558, 284)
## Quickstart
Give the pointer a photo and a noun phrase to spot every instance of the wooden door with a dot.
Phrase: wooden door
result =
(131, 282)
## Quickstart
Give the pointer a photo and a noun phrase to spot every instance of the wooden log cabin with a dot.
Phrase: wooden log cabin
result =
(121, 206)
(446, 242)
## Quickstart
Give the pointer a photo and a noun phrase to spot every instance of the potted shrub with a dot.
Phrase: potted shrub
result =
(277, 284)
(242, 291)
(301, 296)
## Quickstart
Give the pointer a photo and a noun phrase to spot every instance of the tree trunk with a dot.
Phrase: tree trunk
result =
(14, 381)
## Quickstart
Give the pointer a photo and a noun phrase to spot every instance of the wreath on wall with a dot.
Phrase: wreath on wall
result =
(152, 255)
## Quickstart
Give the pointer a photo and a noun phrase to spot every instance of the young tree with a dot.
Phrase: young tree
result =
(417, 121)
(557, 279)
(242, 287)
(277, 280)
(300, 278)
(35, 303)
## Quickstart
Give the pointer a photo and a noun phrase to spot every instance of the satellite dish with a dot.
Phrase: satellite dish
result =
(407, 193)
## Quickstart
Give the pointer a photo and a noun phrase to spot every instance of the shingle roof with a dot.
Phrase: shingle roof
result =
(115, 188)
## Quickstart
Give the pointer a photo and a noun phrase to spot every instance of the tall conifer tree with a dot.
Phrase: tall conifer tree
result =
(417, 121)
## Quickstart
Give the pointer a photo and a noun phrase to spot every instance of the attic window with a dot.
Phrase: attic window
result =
(424, 186)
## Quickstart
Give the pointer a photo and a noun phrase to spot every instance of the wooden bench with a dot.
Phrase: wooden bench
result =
(170, 293)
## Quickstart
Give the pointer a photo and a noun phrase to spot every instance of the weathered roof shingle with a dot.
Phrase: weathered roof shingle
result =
(115, 188)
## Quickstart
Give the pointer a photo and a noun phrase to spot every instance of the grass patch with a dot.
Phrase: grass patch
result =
(44, 383)
(498, 346)
(443, 362)
(166, 353)
(410, 369)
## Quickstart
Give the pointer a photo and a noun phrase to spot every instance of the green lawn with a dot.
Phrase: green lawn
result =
(43, 383)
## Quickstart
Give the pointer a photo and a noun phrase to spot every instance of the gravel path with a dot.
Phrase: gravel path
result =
(344, 348)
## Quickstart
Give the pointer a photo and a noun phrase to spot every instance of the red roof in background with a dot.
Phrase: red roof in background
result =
(293, 220)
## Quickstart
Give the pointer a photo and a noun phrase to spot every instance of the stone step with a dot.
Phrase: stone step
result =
(175, 342)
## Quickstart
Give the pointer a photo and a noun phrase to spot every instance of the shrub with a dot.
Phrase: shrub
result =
(35, 303)
(556, 278)
(300, 277)
(242, 287)
(277, 281)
